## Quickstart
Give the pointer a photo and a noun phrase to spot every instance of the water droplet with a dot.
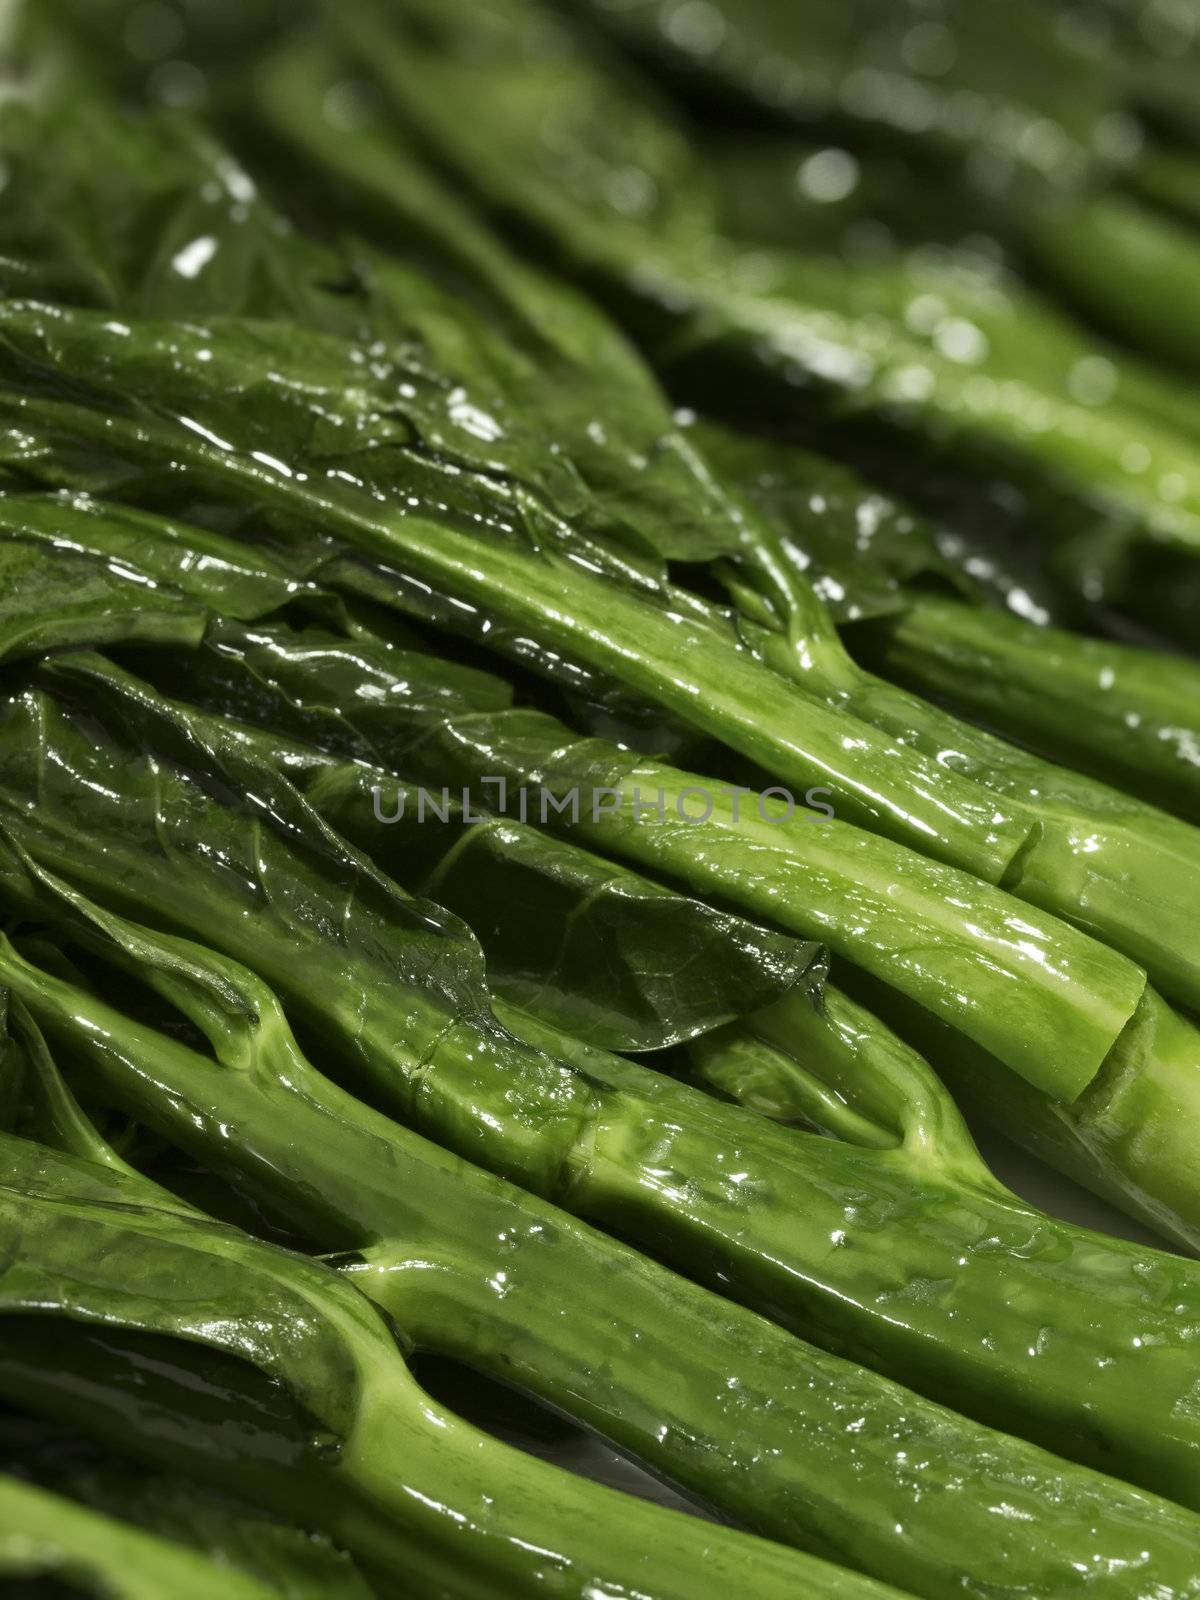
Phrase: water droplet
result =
(326, 1445)
(828, 176)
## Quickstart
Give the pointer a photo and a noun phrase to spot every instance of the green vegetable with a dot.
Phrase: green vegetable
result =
(1127, 266)
(664, 949)
(411, 1489)
(1017, 94)
(352, 1169)
(970, 957)
(1052, 867)
(594, 1131)
(1118, 712)
(70, 597)
(675, 966)
(812, 874)
(1049, 867)
(44, 1536)
(77, 1471)
(1122, 1138)
(800, 740)
(981, 384)
(77, 573)
(1048, 1001)
(298, 683)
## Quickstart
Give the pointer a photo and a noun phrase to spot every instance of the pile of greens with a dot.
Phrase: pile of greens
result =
(594, 619)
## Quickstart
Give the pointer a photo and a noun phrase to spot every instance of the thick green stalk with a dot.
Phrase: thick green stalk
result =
(468, 1266)
(412, 1490)
(43, 1536)
(53, 1114)
(876, 559)
(1136, 1118)
(1169, 178)
(669, 656)
(1134, 885)
(1123, 871)
(1127, 267)
(551, 132)
(1036, 95)
(290, 1561)
(1117, 867)
(1124, 1138)
(1047, 1000)
(394, 992)
(300, 686)
(835, 1067)
(1123, 714)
